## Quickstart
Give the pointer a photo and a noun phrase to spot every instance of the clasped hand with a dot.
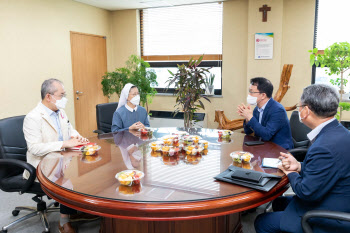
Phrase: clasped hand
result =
(137, 125)
(289, 163)
(75, 141)
(245, 111)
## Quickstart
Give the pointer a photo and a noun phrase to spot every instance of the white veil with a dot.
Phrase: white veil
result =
(124, 95)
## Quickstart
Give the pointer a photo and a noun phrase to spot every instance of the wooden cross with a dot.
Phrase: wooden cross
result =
(264, 9)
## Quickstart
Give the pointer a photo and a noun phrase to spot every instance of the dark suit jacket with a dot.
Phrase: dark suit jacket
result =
(274, 125)
(323, 183)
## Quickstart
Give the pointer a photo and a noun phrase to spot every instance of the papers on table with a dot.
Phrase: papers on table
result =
(271, 162)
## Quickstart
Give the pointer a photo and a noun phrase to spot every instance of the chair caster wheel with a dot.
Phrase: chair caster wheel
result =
(15, 212)
(4, 231)
(56, 204)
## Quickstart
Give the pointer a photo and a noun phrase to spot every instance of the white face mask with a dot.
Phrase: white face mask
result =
(61, 104)
(300, 119)
(252, 100)
(135, 100)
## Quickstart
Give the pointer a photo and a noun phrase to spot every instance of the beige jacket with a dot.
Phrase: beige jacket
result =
(41, 135)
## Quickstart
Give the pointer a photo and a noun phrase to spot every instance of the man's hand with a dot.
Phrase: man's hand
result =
(245, 111)
(137, 125)
(74, 141)
(289, 163)
(81, 139)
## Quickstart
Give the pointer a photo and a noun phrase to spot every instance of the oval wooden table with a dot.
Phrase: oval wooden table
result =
(176, 194)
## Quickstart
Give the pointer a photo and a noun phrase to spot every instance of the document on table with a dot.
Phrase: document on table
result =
(271, 162)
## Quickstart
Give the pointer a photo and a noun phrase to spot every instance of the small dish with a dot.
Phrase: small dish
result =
(129, 177)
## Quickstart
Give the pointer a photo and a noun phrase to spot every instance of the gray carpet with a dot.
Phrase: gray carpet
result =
(11, 200)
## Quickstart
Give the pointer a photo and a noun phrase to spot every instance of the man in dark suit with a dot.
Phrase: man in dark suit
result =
(269, 119)
(322, 181)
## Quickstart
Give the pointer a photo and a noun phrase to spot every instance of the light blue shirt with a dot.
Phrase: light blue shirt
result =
(313, 134)
(261, 111)
(54, 117)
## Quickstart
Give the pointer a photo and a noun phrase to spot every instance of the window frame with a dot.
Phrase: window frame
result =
(162, 64)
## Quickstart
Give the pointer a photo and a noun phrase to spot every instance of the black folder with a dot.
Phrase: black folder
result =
(249, 178)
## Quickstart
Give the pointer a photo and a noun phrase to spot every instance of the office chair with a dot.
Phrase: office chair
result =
(299, 136)
(104, 116)
(322, 214)
(13, 149)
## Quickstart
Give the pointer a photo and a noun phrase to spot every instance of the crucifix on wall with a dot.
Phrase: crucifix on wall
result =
(264, 9)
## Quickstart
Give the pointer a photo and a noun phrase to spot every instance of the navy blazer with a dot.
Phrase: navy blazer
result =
(274, 125)
(323, 183)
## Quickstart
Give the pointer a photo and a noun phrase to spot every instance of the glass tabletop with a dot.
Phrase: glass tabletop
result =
(183, 172)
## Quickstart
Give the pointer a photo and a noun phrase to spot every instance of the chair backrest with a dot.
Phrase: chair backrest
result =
(12, 142)
(299, 131)
(104, 116)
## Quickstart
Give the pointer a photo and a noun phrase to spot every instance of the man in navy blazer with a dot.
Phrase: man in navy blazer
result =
(322, 181)
(269, 119)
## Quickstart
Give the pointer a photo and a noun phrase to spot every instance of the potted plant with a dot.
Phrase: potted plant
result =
(209, 84)
(134, 72)
(337, 59)
(189, 81)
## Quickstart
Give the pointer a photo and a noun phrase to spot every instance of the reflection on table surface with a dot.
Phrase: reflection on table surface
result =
(177, 178)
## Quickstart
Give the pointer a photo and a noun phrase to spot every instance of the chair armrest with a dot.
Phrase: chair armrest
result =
(298, 150)
(322, 214)
(298, 153)
(26, 166)
(98, 131)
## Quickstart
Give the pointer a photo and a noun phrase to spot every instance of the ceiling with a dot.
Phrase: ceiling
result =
(140, 4)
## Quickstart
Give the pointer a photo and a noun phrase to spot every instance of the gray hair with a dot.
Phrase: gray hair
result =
(48, 88)
(322, 99)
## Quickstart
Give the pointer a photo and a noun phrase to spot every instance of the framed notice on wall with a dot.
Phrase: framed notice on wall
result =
(263, 45)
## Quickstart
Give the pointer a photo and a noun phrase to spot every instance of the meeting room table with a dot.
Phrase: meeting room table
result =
(177, 193)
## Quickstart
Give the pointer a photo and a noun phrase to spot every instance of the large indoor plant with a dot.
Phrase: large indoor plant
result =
(189, 82)
(337, 59)
(134, 72)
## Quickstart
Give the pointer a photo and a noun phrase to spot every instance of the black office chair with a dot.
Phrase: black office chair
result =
(104, 116)
(323, 214)
(13, 149)
(299, 136)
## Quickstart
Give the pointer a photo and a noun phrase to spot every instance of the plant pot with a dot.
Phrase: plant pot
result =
(209, 90)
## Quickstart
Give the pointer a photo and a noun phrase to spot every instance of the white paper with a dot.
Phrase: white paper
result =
(271, 162)
(263, 45)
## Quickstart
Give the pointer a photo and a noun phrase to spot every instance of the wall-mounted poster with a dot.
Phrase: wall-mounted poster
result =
(263, 45)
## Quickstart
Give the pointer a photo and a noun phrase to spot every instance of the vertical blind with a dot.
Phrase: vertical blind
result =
(332, 23)
(182, 30)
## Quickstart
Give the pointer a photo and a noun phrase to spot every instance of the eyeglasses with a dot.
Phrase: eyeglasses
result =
(299, 106)
(252, 92)
(135, 94)
(63, 95)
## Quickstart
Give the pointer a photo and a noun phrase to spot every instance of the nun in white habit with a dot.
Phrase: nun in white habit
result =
(129, 115)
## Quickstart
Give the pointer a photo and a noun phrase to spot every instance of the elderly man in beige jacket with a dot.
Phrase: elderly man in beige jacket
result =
(47, 129)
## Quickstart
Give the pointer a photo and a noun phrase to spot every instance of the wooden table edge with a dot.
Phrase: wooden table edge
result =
(160, 211)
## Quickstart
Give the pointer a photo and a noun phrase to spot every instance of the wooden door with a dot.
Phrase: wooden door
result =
(89, 64)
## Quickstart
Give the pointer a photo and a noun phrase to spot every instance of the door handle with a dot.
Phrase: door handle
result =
(79, 92)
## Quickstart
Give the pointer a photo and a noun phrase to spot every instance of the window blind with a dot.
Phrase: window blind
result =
(332, 23)
(182, 30)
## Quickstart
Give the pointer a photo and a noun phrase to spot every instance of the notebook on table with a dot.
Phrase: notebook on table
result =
(249, 178)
